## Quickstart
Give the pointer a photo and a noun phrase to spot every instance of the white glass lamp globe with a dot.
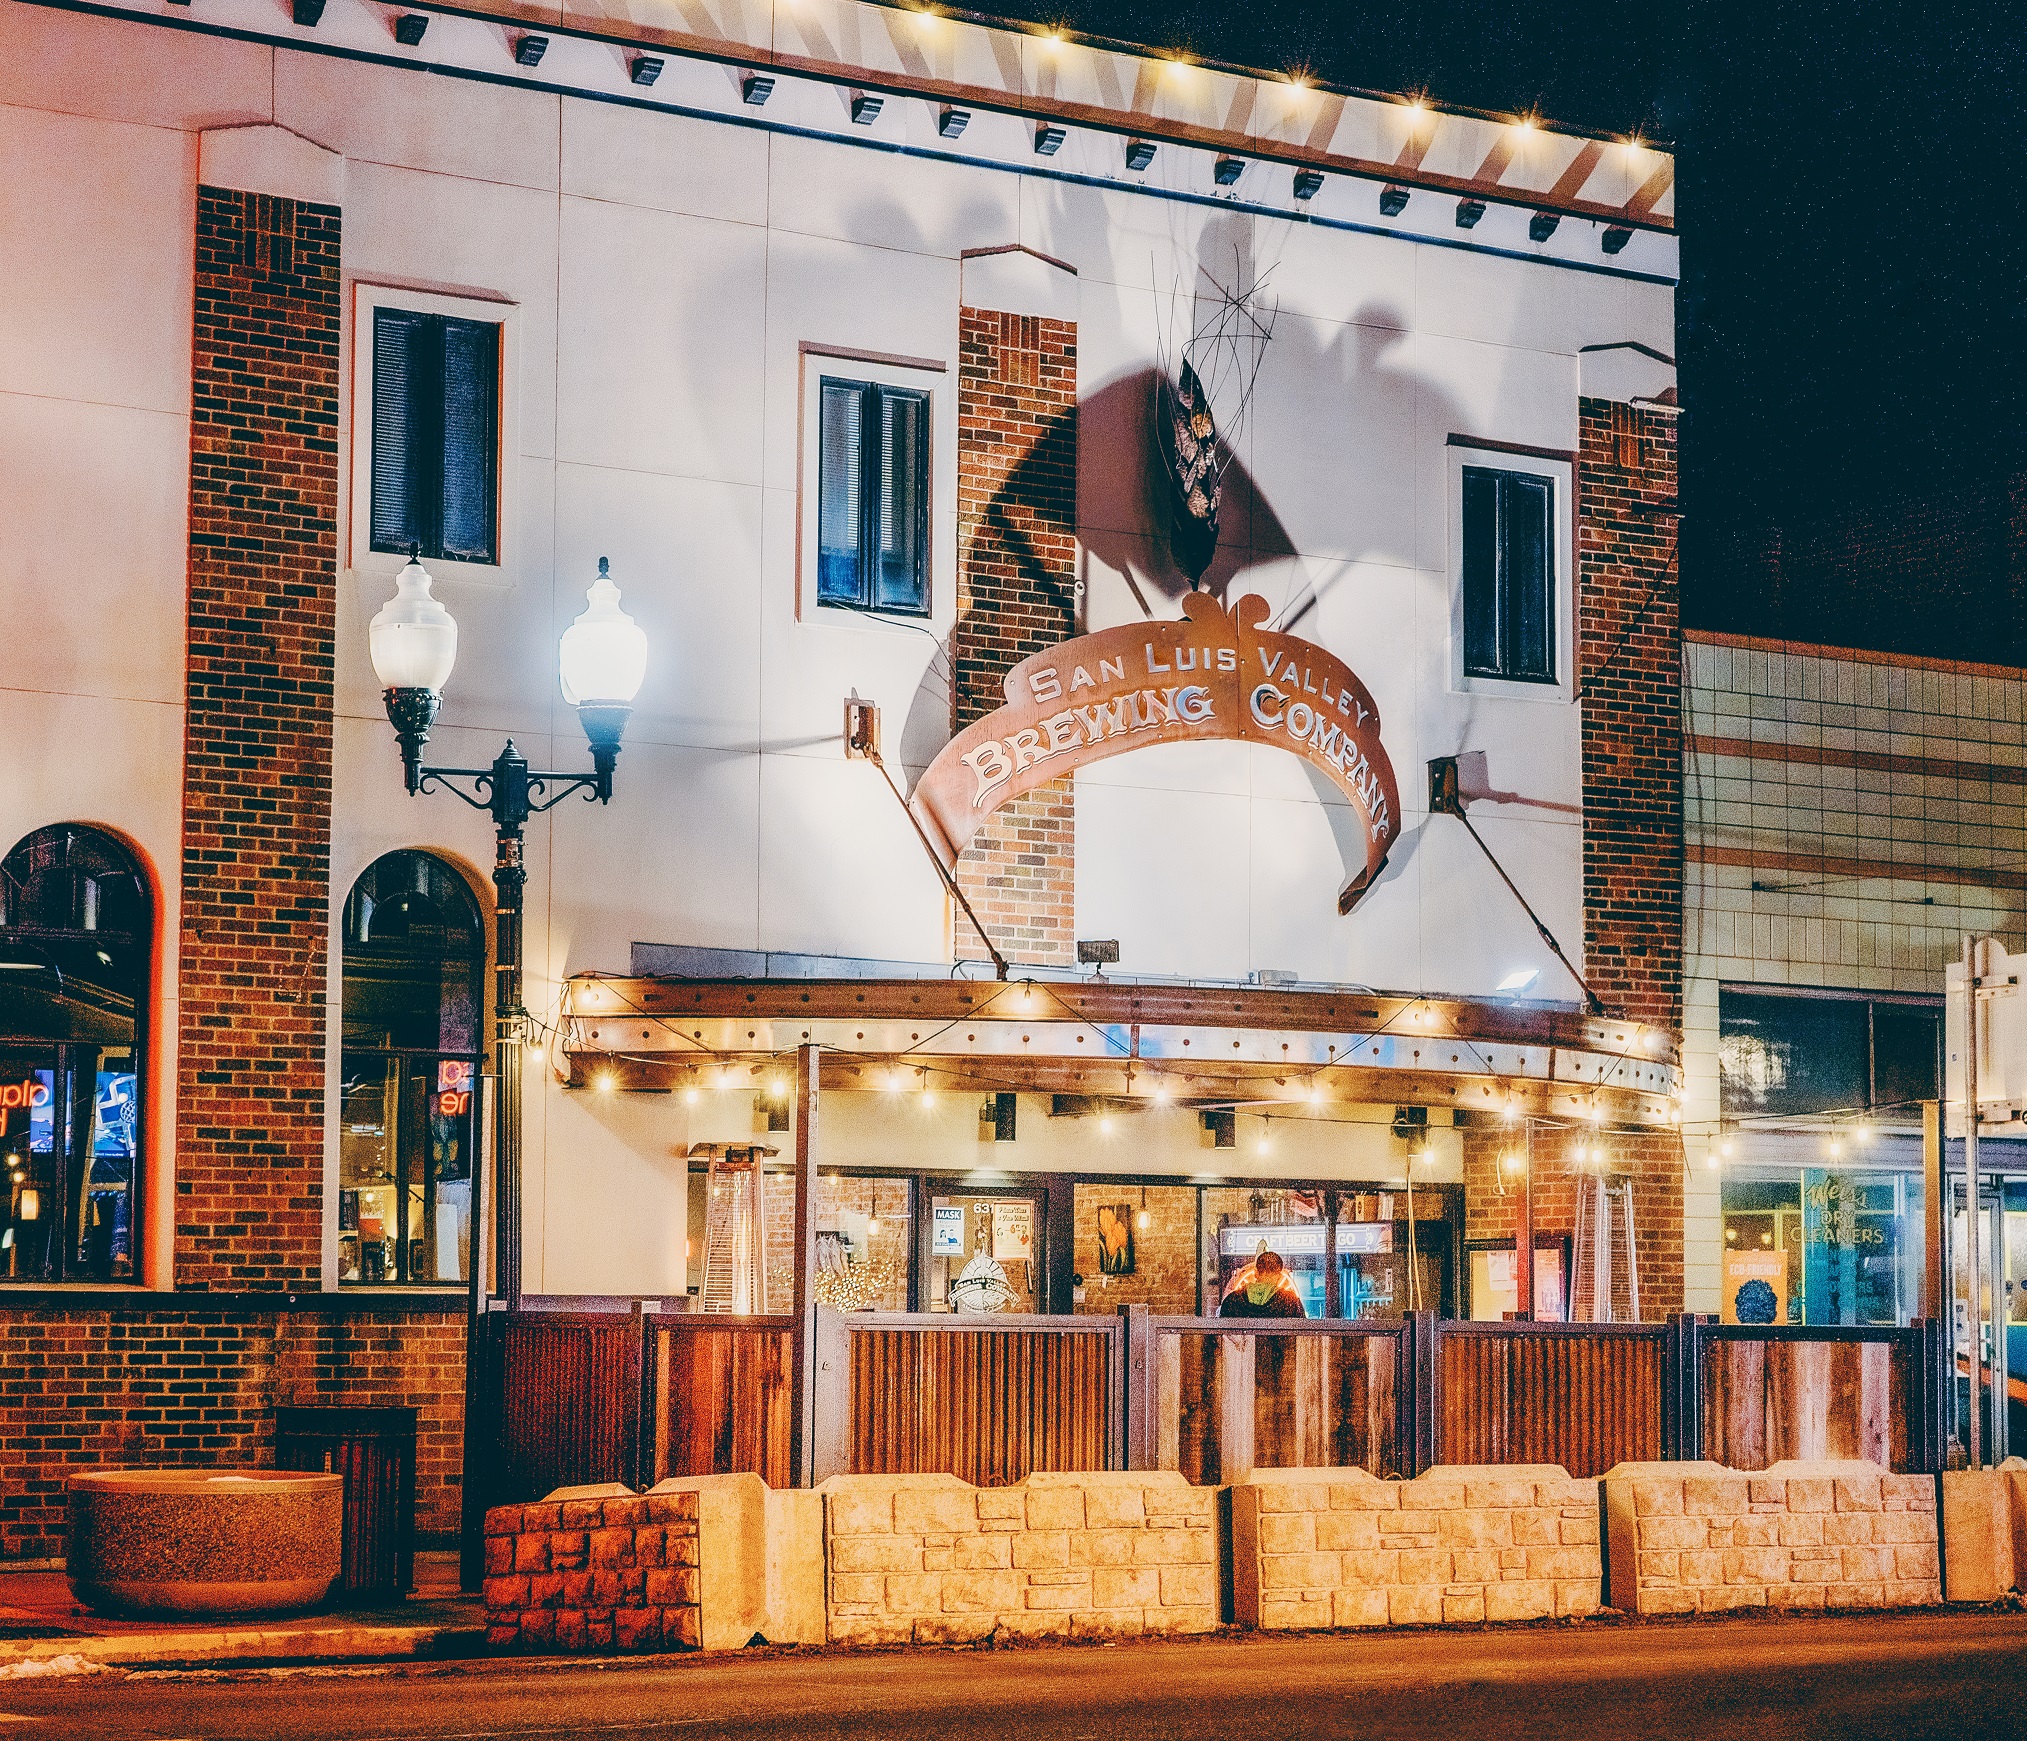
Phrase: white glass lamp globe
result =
(604, 655)
(413, 639)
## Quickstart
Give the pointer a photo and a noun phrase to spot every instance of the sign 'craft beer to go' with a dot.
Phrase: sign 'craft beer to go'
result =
(1215, 673)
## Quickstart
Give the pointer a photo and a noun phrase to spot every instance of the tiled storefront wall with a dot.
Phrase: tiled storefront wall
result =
(1847, 818)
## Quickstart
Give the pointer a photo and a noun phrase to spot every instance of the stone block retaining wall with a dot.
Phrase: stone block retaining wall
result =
(1695, 1538)
(929, 1559)
(614, 1572)
(1338, 1547)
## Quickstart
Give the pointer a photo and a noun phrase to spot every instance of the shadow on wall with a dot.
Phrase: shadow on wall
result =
(1369, 412)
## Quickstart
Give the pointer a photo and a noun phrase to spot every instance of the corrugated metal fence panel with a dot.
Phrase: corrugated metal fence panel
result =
(987, 1405)
(1768, 1397)
(570, 1402)
(1521, 1394)
(1318, 1399)
(724, 1403)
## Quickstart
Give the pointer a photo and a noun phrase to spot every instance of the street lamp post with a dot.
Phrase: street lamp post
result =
(603, 659)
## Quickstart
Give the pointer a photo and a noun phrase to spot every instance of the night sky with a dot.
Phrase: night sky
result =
(1853, 234)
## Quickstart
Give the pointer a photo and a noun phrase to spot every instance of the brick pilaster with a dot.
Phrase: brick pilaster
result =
(1629, 667)
(257, 742)
(1017, 570)
(1629, 672)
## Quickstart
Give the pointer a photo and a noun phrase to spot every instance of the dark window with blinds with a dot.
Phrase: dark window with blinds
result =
(1509, 575)
(873, 497)
(436, 435)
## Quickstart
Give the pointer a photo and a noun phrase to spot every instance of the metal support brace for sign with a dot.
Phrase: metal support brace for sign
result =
(1446, 798)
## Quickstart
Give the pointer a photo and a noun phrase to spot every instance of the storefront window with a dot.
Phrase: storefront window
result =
(1822, 1247)
(1136, 1246)
(76, 935)
(414, 965)
(865, 1230)
(1783, 1054)
(1238, 1221)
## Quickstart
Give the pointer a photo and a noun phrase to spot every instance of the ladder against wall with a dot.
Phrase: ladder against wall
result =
(735, 1230)
(1605, 1284)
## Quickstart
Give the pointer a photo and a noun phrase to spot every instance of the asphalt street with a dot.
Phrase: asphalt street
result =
(1907, 1677)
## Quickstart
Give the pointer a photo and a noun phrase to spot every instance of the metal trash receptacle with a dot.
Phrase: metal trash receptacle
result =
(374, 1449)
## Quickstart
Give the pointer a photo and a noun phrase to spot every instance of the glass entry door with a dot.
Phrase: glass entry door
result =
(985, 1252)
(2000, 1318)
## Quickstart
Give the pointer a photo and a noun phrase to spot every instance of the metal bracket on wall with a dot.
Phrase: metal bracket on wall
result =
(1446, 798)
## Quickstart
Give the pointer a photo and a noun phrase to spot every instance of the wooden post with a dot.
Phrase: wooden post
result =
(1935, 1216)
(831, 1395)
(1233, 1403)
(1137, 1407)
(1428, 1392)
(803, 1460)
(1523, 1232)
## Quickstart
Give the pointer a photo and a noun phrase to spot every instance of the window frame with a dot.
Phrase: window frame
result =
(80, 1109)
(368, 299)
(874, 490)
(930, 378)
(1867, 1002)
(338, 1051)
(1560, 472)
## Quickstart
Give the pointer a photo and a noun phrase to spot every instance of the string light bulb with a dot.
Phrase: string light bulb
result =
(690, 1095)
(1142, 1221)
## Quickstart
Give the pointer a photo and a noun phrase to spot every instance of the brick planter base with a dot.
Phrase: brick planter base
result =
(612, 1573)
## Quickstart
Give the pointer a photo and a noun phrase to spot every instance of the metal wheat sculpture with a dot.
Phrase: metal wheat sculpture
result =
(1204, 389)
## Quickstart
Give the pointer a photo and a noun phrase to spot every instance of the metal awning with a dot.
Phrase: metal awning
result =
(1097, 1037)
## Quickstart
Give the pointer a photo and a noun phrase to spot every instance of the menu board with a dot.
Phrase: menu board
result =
(1013, 1231)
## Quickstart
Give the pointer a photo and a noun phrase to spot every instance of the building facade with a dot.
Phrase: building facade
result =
(1850, 818)
(854, 338)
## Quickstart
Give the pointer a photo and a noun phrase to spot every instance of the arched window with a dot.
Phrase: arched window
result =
(77, 933)
(414, 1007)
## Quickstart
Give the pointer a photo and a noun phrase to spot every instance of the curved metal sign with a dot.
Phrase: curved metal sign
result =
(1214, 674)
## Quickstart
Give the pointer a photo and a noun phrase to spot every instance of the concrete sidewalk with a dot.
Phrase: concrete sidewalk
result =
(44, 1631)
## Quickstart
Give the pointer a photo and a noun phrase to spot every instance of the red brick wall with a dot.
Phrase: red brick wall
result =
(1652, 1160)
(1016, 594)
(1629, 669)
(257, 742)
(91, 1387)
(1020, 875)
(1629, 666)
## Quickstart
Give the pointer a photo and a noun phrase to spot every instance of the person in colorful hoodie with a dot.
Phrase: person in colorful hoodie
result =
(1263, 1289)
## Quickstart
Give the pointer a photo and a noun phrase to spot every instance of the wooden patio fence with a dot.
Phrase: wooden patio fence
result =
(578, 1397)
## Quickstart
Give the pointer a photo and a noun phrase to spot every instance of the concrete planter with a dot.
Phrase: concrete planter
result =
(195, 1541)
